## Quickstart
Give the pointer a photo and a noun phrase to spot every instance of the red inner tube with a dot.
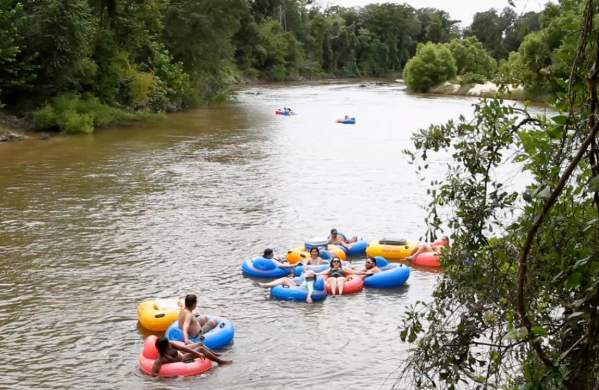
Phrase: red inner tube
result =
(353, 284)
(427, 259)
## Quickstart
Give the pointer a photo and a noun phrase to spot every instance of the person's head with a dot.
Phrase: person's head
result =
(333, 232)
(162, 344)
(370, 262)
(314, 252)
(268, 253)
(191, 301)
(336, 262)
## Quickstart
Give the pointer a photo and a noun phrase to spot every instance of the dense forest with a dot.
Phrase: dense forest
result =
(80, 64)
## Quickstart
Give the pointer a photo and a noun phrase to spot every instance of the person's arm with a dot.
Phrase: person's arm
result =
(186, 324)
(156, 366)
(185, 349)
(283, 265)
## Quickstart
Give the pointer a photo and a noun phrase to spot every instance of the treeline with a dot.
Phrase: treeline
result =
(79, 64)
(532, 50)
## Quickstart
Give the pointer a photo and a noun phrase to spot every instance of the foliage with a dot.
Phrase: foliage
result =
(517, 304)
(432, 64)
(472, 58)
(75, 114)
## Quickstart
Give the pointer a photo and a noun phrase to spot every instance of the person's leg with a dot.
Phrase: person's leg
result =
(421, 249)
(206, 324)
(340, 284)
(211, 355)
(332, 282)
(276, 282)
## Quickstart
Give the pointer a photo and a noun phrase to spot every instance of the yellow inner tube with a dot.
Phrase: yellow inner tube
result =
(391, 252)
(337, 251)
(156, 315)
(294, 256)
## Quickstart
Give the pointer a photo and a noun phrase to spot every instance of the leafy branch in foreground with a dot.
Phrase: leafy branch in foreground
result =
(517, 305)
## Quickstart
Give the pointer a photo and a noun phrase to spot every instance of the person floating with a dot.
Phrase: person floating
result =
(191, 323)
(169, 352)
(337, 276)
(339, 239)
(435, 247)
(308, 282)
(370, 268)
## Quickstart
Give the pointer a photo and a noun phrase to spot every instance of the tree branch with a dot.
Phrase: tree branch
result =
(532, 231)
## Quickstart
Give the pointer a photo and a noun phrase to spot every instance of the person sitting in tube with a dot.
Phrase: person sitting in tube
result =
(169, 352)
(308, 282)
(191, 322)
(370, 268)
(338, 239)
(269, 254)
(314, 258)
(435, 247)
(336, 276)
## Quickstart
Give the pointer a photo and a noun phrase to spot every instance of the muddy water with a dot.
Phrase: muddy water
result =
(92, 225)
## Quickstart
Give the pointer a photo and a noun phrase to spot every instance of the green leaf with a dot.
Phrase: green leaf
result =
(560, 119)
(544, 193)
(538, 330)
(594, 184)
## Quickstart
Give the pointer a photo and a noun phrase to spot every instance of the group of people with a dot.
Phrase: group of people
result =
(193, 325)
(336, 274)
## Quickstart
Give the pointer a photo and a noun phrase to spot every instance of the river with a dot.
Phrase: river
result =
(92, 225)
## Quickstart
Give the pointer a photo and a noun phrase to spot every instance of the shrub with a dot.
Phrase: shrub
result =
(73, 114)
(432, 65)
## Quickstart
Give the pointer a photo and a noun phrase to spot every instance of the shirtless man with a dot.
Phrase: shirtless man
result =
(172, 352)
(370, 268)
(436, 247)
(191, 323)
(338, 239)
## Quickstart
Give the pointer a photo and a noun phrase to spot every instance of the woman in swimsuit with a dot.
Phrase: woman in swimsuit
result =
(172, 352)
(336, 276)
(435, 247)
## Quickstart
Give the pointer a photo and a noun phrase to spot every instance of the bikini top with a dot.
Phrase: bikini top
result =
(336, 272)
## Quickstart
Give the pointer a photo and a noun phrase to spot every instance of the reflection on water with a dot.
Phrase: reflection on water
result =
(92, 225)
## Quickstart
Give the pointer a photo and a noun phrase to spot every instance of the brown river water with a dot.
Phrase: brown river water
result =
(92, 225)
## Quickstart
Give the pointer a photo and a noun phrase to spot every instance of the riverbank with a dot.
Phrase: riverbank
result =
(486, 90)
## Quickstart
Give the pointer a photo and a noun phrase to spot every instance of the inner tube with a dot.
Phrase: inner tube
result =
(316, 243)
(337, 251)
(298, 293)
(348, 121)
(281, 112)
(263, 268)
(391, 249)
(150, 354)
(391, 276)
(358, 248)
(353, 284)
(157, 314)
(296, 255)
(427, 259)
(215, 338)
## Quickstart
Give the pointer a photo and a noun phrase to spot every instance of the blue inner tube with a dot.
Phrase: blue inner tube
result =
(391, 276)
(263, 268)
(298, 293)
(216, 338)
(349, 121)
(320, 244)
(358, 248)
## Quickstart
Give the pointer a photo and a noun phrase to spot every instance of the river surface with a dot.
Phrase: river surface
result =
(92, 225)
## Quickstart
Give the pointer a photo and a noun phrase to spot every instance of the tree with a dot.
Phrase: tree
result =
(518, 303)
(471, 57)
(432, 64)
